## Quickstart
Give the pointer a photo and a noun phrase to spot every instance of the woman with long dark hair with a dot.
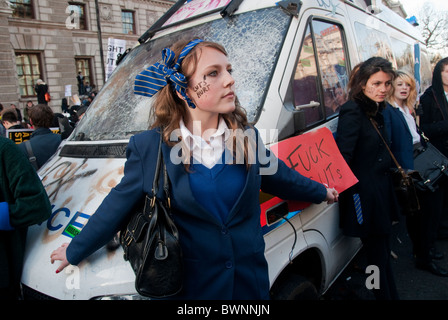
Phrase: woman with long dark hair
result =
(368, 208)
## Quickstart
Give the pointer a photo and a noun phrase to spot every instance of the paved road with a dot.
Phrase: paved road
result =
(412, 283)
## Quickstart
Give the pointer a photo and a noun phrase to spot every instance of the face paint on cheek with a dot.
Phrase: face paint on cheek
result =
(369, 89)
(201, 87)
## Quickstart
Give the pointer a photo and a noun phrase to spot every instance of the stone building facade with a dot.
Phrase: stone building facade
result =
(53, 40)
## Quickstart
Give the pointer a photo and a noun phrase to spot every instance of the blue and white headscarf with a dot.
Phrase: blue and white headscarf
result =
(151, 80)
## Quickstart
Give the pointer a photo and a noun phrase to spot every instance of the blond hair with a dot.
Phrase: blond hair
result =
(412, 98)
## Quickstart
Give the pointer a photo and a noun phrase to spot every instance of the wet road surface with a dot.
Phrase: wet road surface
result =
(412, 283)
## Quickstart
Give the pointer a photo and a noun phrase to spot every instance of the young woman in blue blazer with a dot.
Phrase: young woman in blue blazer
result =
(404, 136)
(214, 193)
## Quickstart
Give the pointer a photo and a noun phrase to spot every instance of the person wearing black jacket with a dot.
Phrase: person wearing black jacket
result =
(368, 209)
(433, 112)
(41, 89)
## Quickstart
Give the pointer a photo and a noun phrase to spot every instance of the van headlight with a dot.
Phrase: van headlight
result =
(114, 297)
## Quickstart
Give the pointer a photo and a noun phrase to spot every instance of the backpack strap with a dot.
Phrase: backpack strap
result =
(31, 156)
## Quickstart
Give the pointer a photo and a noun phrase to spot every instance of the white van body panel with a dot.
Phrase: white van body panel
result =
(68, 181)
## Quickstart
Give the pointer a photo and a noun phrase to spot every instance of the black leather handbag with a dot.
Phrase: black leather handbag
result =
(432, 166)
(151, 243)
(403, 182)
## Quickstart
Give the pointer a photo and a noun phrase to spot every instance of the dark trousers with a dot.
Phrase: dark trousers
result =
(377, 250)
(422, 226)
(442, 231)
(12, 247)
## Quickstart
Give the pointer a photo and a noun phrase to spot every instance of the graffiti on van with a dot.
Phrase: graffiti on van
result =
(328, 4)
(70, 214)
(63, 175)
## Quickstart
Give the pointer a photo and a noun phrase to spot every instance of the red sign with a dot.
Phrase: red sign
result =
(314, 155)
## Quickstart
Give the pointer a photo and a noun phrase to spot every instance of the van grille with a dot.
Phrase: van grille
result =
(112, 150)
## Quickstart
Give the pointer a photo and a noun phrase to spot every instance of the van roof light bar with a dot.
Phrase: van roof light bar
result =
(291, 7)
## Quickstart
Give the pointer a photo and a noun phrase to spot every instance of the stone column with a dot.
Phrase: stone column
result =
(8, 77)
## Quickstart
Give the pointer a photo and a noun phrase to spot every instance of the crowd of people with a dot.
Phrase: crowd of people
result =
(23, 199)
(380, 97)
(386, 98)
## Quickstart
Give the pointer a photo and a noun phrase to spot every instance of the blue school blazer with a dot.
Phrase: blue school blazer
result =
(222, 260)
(400, 136)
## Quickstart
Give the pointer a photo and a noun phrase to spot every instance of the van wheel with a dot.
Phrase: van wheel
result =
(294, 287)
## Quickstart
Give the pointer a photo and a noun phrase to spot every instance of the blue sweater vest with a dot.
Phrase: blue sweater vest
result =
(217, 189)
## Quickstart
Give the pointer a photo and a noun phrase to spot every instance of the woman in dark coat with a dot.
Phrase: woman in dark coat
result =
(369, 207)
(41, 89)
(433, 111)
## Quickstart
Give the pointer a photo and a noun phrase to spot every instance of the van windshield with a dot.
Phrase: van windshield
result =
(253, 41)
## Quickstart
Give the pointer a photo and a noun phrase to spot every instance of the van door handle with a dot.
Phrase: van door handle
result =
(277, 212)
(312, 104)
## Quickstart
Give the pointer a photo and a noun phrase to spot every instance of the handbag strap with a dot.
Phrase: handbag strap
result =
(155, 183)
(403, 173)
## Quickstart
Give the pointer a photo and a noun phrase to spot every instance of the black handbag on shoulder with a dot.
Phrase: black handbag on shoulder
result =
(403, 182)
(428, 160)
(151, 243)
(431, 164)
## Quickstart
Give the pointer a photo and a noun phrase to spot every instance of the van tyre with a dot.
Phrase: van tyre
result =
(295, 287)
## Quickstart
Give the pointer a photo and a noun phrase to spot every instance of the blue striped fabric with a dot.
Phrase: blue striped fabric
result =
(151, 80)
(358, 209)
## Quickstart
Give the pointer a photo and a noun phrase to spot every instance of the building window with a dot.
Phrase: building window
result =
(85, 83)
(22, 9)
(127, 18)
(78, 15)
(28, 71)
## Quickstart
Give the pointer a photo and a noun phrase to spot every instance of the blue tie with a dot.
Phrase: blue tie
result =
(358, 209)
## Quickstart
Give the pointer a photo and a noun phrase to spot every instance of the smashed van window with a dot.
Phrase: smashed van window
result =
(253, 41)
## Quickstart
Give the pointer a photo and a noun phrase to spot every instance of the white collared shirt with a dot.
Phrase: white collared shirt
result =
(411, 123)
(207, 154)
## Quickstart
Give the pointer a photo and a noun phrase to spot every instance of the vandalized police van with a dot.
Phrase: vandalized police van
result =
(291, 62)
